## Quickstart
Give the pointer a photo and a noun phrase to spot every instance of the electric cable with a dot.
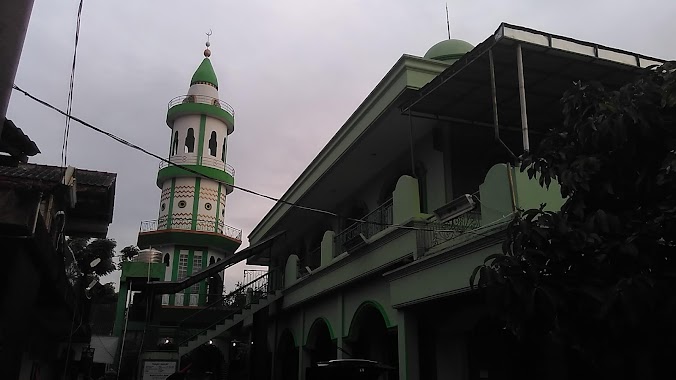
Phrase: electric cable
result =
(243, 189)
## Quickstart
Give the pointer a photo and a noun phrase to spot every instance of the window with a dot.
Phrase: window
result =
(190, 141)
(212, 260)
(182, 266)
(166, 259)
(181, 204)
(225, 148)
(213, 145)
(196, 267)
(207, 206)
(174, 144)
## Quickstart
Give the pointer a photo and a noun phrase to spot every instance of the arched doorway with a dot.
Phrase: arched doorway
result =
(369, 336)
(206, 359)
(320, 345)
(286, 357)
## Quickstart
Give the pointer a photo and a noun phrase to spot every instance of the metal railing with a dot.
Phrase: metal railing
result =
(205, 225)
(202, 99)
(236, 301)
(376, 221)
(252, 274)
(436, 232)
(194, 159)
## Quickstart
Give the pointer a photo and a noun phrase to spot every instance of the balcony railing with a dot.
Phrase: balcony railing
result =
(206, 225)
(193, 159)
(376, 221)
(203, 99)
(435, 232)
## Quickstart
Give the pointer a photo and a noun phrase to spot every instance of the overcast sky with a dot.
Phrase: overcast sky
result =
(293, 70)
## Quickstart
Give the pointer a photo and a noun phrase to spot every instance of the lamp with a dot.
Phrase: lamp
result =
(455, 208)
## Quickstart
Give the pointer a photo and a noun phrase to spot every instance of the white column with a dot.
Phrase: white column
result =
(407, 340)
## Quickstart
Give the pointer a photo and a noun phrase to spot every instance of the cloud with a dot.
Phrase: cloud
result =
(293, 70)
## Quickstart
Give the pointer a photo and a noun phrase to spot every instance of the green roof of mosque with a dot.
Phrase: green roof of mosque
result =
(205, 74)
(449, 50)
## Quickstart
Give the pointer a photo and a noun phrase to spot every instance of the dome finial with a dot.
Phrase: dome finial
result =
(207, 52)
(448, 23)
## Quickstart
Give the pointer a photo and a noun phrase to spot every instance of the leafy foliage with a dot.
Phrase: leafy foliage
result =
(127, 253)
(87, 250)
(599, 276)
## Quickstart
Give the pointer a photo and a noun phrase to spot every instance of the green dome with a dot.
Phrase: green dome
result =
(205, 74)
(449, 50)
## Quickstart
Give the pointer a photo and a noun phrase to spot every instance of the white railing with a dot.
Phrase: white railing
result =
(206, 225)
(203, 99)
(194, 299)
(165, 299)
(178, 300)
(193, 159)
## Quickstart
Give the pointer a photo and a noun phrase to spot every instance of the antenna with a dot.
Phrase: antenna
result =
(448, 23)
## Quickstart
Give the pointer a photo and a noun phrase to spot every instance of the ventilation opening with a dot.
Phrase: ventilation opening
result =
(213, 145)
(190, 141)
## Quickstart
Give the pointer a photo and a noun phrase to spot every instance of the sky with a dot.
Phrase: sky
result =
(293, 70)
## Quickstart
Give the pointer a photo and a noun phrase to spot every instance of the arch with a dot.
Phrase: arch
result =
(224, 149)
(190, 141)
(212, 260)
(213, 145)
(320, 343)
(287, 334)
(166, 259)
(364, 305)
(370, 337)
(286, 358)
(317, 324)
(205, 358)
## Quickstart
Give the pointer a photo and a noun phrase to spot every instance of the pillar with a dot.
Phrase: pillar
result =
(327, 248)
(405, 200)
(13, 26)
(291, 271)
(407, 341)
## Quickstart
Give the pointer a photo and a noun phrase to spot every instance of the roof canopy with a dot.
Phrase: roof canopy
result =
(551, 64)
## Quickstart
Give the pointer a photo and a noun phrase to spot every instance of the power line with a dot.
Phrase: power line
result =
(69, 107)
(190, 170)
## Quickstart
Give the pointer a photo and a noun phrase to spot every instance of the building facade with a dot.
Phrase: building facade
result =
(418, 187)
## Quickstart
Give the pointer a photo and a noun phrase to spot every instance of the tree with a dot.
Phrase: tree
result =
(86, 251)
(127, 253)
(104, 294)
(599, 276)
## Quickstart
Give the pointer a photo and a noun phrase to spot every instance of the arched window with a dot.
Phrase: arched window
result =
(212, 260)
(166, 259)
(225, 148)
(213, 145)
(174, 144)
(190, 141)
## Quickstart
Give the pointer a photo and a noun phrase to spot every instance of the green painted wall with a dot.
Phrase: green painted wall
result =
(199, 109)
(174, 171)
(174, 272)
(200, 141)
(196, 204)
(170, 210)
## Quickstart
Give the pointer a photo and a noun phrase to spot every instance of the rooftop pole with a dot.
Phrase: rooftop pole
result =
(448, 23)
(522, 99)
(494, 98)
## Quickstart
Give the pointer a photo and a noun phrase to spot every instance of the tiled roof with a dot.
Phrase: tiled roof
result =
(54, 174)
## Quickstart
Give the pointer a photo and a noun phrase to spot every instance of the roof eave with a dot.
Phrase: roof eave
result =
(393, 84)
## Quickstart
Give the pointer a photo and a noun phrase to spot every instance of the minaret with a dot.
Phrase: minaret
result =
(190, 229)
